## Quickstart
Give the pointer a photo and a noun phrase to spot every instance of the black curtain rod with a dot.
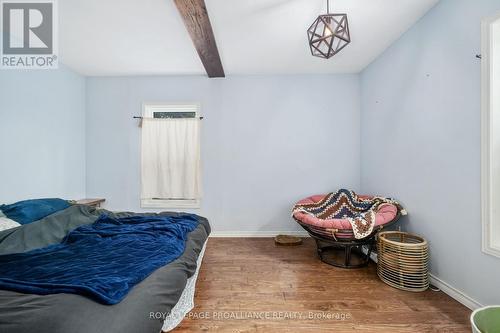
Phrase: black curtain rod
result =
(137, 117)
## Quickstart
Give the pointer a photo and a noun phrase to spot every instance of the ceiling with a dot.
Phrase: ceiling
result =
(148, 37)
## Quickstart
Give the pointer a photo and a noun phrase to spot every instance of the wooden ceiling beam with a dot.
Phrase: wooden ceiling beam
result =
(195, 16)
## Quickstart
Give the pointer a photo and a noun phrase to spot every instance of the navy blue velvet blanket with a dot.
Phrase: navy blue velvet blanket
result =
(103, 260)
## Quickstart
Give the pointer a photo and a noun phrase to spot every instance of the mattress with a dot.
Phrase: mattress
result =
(160, 292)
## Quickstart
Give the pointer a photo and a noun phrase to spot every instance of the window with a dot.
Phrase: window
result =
(170, 110)
(170, 156)
(490, 135)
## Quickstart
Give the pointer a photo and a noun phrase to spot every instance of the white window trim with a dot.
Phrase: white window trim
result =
(170, 203)
(486, 165)
(146, 114)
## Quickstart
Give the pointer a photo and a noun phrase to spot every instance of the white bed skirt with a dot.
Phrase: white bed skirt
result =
(186, 301)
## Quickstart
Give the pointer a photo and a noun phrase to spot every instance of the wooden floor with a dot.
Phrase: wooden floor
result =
(251, 285)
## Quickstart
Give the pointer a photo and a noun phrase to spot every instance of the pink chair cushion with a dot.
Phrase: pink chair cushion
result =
(386, 214)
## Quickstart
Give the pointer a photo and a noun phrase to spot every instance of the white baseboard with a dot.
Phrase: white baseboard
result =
(446, 288)
(454, 293)
(251, 234)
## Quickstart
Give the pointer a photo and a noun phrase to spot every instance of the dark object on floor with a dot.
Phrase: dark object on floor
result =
(286, 240)
(403, 260)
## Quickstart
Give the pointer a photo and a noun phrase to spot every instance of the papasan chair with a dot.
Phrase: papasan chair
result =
(343, 222)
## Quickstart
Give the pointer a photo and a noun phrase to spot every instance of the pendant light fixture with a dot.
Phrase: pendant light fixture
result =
(328, 34)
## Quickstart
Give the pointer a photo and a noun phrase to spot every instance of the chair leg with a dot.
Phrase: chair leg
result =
(347, 255)
(319, 250)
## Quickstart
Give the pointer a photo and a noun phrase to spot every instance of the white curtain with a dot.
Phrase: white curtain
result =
(170, 163)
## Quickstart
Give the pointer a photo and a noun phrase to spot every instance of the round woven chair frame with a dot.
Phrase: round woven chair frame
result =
(328, 244)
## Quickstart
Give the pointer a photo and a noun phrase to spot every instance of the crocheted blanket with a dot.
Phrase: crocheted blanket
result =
(345, 204)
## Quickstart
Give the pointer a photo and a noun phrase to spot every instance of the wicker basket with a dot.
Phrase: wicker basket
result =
(403, 260)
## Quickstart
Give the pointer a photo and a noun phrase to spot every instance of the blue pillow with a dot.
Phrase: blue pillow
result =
(28, 211)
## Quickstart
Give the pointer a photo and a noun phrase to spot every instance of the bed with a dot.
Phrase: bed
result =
(157, 303)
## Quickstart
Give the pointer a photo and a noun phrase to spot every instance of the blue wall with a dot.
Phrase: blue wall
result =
(42, 134)
(420, 139)
(270, 140)
(267, 141)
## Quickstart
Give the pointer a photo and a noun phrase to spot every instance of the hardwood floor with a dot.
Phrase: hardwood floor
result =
(242, 278)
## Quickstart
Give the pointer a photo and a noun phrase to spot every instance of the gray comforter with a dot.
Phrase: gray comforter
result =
(64, 313)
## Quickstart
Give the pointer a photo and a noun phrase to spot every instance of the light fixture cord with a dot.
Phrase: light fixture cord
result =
(328, 6)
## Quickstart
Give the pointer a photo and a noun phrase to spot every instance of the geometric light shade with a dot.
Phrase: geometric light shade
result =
(328, 35)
